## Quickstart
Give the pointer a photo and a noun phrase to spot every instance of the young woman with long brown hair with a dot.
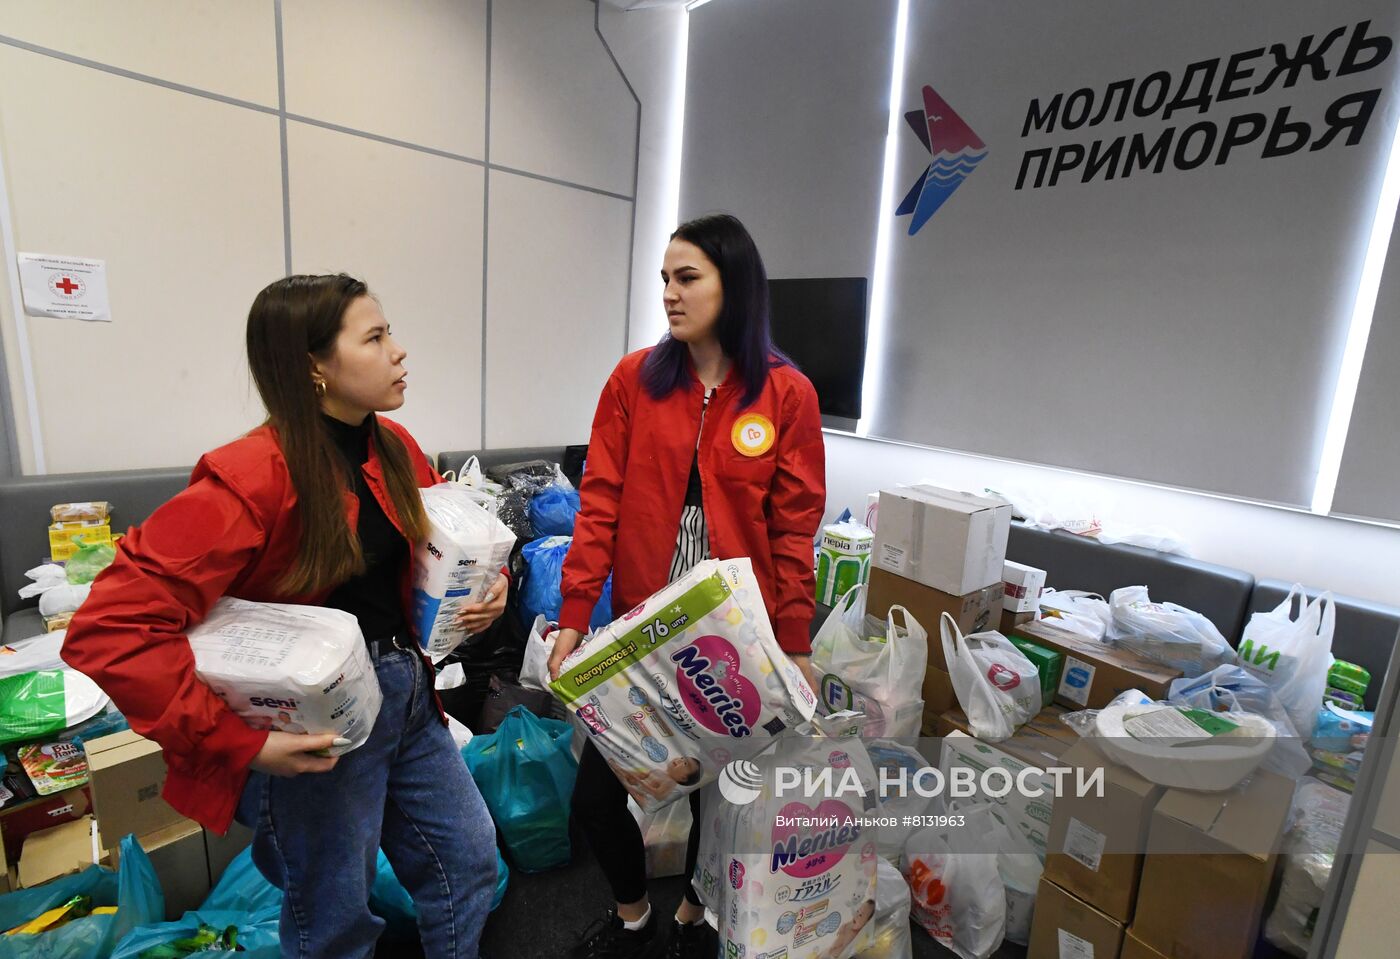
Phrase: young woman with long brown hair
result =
(318, 506)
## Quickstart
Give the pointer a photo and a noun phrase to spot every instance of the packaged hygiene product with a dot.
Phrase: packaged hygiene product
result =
(295, 669)
(683, 684)
(455, 566)
(843, 560)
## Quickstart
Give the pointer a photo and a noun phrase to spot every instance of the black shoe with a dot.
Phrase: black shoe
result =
(607, 938)
(692, 940)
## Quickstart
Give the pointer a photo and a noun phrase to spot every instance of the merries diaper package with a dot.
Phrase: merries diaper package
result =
(683, 684)
(791, 873)
(295, 669)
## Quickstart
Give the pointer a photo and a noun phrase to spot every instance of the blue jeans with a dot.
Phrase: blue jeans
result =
(407, 789)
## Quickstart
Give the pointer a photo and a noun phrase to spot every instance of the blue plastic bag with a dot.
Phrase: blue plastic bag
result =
(540, 592)
(258, 934)
(552, 511)
(134, 890)
(525, 771)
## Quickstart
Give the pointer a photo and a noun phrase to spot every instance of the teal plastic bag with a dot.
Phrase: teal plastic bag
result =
(526, 772)
(258, 936)
(134, 890)
(390, 901)
(243, 889)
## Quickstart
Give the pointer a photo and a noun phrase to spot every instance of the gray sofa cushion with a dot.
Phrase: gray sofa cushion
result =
(1219, 593)
(1366, 634)
(24, 515)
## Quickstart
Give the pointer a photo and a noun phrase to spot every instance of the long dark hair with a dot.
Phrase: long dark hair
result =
(290, 321)
(743, 318)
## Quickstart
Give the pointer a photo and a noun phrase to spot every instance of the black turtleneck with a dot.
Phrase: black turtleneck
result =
(374, 597)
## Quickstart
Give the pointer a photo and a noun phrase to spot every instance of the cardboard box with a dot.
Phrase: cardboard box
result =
(1096, 843)
(1034, 747)
(128, 772)
(21, 820)
(181, 863)
(1210, 862)
(58, 851)
(5, 885)
(1065, 927)
(1094, 673)
(222, 849)
(1010, 620)
(974, 612)
(1135, 948)
(952, 541)
(1023, 585)
(939, 697)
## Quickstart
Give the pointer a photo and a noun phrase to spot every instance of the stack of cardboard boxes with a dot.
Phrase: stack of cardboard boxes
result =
(939, 551)
(1145, 872)
(60, 834)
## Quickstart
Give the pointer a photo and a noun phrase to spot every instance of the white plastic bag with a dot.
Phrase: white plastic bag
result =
(665, 833)
(63, 599)
(1310, 846)
(1179, 637)
(539, 646)
(1293, 655)
(997, 686)
(1078, 611)
(1020, 869)
(892, 932)
(45, 578)
(955, 891)
(872, 666)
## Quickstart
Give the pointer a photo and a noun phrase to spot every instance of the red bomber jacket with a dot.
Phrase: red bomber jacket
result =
(763, 475)
(232, 532)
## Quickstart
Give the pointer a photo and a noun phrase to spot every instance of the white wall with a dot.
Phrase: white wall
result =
(1345, 556)
(487, 210)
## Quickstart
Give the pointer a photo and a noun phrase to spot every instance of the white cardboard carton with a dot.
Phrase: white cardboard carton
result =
(952, 541)
(1024, 585)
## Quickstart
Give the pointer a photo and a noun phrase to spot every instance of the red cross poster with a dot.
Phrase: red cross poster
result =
(69, 287)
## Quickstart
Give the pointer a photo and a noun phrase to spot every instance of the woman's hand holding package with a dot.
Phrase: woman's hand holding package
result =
(565, 641)
(291, 754)
(478, 616)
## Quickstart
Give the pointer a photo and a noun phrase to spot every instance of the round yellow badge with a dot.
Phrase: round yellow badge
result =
(753, 434)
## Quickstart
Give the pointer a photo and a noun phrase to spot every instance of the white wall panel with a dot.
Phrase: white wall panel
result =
(558, 105)
(409, 224)
(556, 308)
(226, 48)
(410, 71)
(181, 196)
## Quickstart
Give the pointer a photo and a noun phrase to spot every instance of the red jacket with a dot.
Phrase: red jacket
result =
(232, 532)
(762, 470)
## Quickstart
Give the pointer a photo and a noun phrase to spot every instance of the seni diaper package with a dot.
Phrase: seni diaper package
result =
(792, 871)
(683, 684)
(455, 566)
(295, 669)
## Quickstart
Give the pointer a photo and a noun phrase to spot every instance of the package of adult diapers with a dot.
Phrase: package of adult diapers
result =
(683, 684)
(792, 871)
(295, 669)
(455, 566)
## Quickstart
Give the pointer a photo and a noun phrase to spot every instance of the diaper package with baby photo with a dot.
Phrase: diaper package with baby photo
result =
(455, 566)
(683, 684)
(792, 871)
(295, 669)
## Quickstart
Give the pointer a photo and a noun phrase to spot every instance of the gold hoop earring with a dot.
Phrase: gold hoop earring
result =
(320, 387)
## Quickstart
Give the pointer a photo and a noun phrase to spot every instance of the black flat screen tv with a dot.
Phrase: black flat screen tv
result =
(820, 323)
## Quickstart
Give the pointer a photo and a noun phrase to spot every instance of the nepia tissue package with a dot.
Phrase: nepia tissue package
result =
(791, 870)
(455, 566)
(295, 669)
(683, 684)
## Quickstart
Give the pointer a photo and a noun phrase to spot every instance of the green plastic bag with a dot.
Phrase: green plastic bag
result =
(46, 701)
(134, 890)
(84, 565)
(526, 773)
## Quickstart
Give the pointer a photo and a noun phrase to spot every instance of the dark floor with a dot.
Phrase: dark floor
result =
(542, 915)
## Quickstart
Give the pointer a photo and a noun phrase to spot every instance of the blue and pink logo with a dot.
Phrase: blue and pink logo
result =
(955, 150)
(709, 682)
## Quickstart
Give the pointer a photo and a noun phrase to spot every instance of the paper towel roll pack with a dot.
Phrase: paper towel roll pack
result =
(296, 669)
(683, 684)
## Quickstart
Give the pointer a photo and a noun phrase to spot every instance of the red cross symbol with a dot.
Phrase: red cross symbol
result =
(66, 285)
